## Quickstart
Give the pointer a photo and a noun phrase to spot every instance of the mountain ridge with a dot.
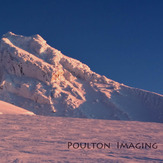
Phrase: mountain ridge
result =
(39, 78)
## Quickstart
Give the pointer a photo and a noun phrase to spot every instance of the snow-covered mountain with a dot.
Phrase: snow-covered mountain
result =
(39, 78)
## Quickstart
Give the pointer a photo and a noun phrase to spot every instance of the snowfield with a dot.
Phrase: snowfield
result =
(38, 139)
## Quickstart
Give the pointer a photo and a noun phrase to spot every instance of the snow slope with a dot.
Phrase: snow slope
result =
(38, 139)
(6, 108)
(39, 78)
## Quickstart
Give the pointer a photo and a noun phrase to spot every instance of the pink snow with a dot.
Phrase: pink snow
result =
(7, 108)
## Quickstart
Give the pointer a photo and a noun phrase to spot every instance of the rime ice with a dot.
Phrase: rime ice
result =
(41, 79)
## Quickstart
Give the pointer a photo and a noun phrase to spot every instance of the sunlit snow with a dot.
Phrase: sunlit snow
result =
(36, 139)
(39, 78)
(36, 80)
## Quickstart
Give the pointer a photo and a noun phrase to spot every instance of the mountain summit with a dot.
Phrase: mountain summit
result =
(39, 78)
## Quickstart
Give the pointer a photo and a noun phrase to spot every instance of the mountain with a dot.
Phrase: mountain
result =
(40, 79)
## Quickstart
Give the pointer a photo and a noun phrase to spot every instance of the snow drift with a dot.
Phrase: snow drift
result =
(39, 78)
(6, 108)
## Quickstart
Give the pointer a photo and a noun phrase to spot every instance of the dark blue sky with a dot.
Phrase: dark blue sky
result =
(121, 39)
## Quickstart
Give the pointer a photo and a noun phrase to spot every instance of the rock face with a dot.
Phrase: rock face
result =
(37, 77)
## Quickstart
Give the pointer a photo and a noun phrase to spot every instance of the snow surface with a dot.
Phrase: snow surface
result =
(6, 108)
(37, 139)
(39, 78)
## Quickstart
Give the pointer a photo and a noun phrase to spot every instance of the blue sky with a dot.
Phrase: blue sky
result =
(121, 39)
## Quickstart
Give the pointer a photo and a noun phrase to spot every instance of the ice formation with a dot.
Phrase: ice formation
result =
(39, 78)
